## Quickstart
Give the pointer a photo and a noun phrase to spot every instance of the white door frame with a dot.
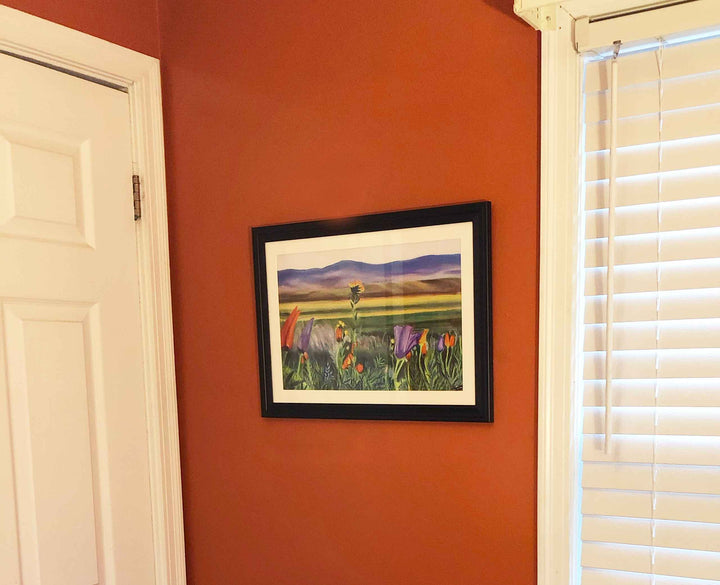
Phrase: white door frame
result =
(58, 46)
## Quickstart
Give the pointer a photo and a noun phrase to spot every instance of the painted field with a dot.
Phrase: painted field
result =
(398, 329)
(398, 306)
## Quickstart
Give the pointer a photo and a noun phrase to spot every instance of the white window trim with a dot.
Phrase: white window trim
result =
(44, 41)
(558, 511)
(558, 439)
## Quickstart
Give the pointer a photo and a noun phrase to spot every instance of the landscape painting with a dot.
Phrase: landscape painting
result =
(383, 318)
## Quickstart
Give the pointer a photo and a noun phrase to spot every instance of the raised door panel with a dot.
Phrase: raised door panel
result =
(53, 432)
(51, 205)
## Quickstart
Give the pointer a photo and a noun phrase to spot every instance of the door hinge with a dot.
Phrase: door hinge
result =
(136, 196)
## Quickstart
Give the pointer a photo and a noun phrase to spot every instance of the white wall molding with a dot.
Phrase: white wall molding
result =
(559, 302)
(56, 45)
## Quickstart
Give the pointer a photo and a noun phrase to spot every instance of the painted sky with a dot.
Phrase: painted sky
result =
(370, 255)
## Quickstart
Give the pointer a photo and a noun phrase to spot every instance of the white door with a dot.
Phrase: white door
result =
(74, 479)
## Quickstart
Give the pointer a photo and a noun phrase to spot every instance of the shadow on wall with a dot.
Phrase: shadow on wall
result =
(504, 6)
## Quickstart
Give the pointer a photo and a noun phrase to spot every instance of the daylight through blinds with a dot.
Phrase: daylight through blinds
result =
(651, 502)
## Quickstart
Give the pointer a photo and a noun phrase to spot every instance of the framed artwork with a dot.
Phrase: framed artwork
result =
(384, 316)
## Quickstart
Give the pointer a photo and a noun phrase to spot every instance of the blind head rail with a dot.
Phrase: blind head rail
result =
(639, 10)
(653, 22)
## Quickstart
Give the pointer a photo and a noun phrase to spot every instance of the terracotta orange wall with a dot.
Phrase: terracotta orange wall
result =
(287, 110)
(291, 110)
(130, 23)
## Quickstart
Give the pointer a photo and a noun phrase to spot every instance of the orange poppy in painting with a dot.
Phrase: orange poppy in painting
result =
(423, 342)
(449, 340)
(347, 361)
(287, 333)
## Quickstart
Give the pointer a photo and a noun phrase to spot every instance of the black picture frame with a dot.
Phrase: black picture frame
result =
(479, 401)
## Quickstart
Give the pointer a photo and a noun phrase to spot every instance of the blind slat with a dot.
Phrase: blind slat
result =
(635, 420)
(698, 333)
(668, 534)
(603, 577)
(640, 130)
(693, 183)
(693, 244)
(677, 275)
(678, 507)
(638, 559)
(669, 450)
(678, 392)
(674, 305)
(639, 477)
(680, 363)
(641, 160)
(643, 219)
(642, 99)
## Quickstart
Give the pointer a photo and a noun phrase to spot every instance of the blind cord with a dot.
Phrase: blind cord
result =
(658, 268)
(610, 312)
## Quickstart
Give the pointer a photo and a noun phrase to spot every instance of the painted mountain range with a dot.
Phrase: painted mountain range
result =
(425, 274)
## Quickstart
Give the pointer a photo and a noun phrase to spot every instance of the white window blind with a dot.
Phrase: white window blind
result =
(651, 504)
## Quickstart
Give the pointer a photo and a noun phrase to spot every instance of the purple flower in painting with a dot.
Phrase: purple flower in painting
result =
(441, 343)
(304, 341)
(405, 340)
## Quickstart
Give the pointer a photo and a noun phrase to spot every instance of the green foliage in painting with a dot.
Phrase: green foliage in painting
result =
(378, 345)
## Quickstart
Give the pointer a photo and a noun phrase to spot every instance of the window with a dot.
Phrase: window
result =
(650, 477)
(629, 477)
